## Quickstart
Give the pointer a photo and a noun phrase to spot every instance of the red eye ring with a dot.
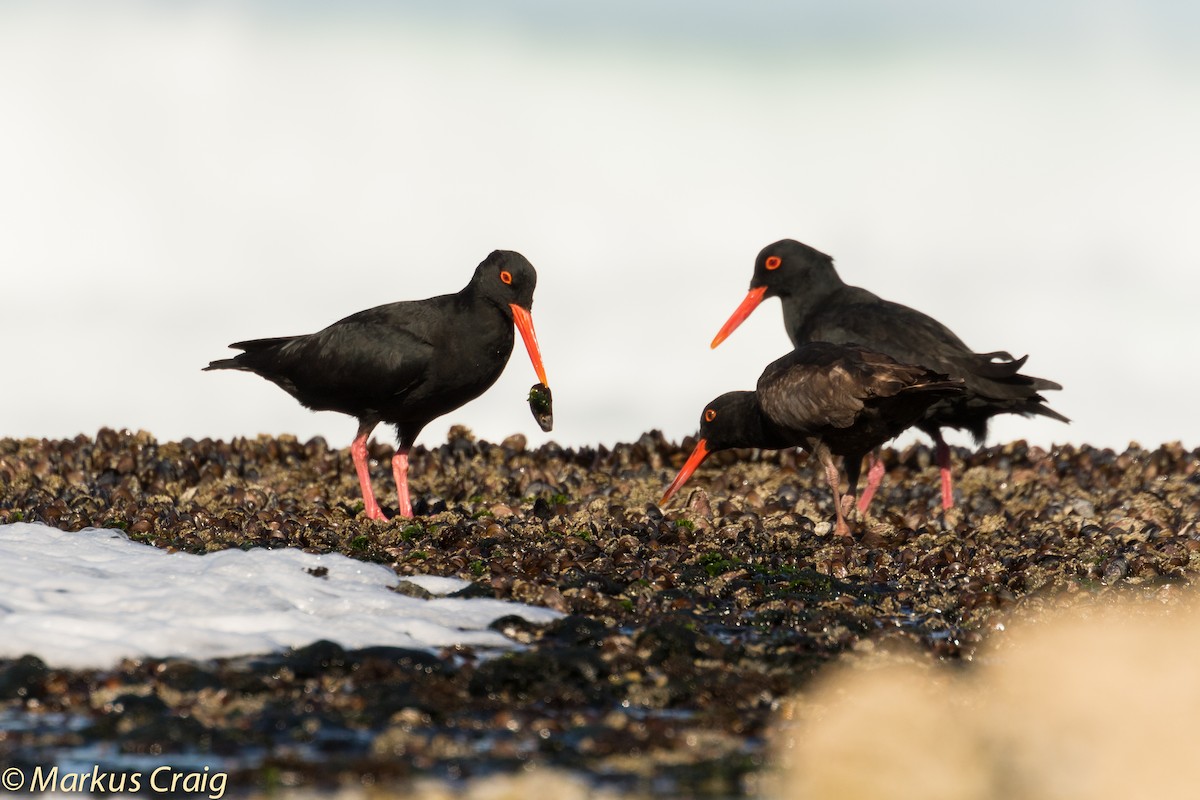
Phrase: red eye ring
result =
(774, 262)
(709, 414)
(506, 276)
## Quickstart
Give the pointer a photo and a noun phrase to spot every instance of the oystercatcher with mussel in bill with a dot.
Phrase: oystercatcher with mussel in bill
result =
(819, 306)
(831, 400)
(405, 363)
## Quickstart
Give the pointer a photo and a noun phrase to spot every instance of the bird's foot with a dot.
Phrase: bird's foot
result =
(376, 513)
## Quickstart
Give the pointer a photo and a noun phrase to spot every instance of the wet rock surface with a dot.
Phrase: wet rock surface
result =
(684, 626)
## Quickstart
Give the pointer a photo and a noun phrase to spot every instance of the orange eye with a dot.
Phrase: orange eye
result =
(709, 415)
(773, 262)
(506, 276)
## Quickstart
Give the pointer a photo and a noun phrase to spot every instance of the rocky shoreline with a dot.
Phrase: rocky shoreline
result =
(685, 627)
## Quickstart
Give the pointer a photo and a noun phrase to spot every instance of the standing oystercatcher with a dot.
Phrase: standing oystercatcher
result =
(404, 363)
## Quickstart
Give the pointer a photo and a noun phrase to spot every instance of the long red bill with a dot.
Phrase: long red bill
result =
(748, 305)
(524, 322)
(689, 466)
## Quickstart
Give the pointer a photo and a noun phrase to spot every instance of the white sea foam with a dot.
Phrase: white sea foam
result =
(91, 598)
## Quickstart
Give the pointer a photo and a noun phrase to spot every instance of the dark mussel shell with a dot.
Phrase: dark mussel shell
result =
(541, 404)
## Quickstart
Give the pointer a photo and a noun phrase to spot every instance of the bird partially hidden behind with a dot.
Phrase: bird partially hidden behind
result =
(831, 400)
(405, 363)
(819, 306)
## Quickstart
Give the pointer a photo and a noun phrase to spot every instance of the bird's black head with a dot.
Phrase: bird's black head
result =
(732, 420)
(782, 269)
(787, 267)
(506, 278)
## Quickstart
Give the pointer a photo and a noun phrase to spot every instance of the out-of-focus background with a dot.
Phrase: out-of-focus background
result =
(175, 176)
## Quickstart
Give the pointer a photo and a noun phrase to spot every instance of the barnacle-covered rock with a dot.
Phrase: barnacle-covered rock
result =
(685, 624)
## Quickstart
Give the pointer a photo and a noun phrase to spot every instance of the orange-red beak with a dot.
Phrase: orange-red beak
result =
(698, 455)
(739, 316)
(524, 321)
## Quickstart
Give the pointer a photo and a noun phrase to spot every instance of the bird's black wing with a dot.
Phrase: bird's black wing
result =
(856, 316)
(358, 365)
(860, 317)
(822, 385)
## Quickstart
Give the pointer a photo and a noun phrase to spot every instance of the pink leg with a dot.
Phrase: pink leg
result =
(943, 460)
(874, 478)
(358, 451)
(400, 473)
(847, 508)
(831, 475)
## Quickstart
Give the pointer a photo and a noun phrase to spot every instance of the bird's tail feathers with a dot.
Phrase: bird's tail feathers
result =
(1003, 368)
(1042, 410)
(223, 363)
(249, 347)
(255, 345)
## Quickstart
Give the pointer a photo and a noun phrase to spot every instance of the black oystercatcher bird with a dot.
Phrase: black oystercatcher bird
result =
(829, 399)
(405, 363)
(818, 306)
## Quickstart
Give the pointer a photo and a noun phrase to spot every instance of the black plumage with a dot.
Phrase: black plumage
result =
(819, 306)
(832, 400)
(404, 363)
